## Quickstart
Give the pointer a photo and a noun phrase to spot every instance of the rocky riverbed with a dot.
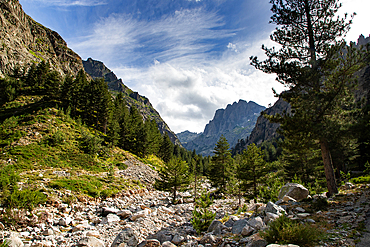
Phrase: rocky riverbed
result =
(147, 218)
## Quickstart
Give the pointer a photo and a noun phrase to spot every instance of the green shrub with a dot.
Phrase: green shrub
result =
(25, 199)
(361, 180)
(202, 216)
(90, 144)
(286, 231)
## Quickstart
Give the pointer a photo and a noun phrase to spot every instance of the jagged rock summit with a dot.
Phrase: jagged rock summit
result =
(97, 69)
(24, 41)
(235, 122)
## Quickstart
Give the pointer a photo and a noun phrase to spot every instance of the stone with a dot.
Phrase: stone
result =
(163, 236)
(296, 191)
(247, 230)
(178, 239)
(257, 223)
(109, 210)
(208, 239)
(273, 208)
(270, 217)
(238, 226)
(93, 234)
(348, 185)
(168, 244)
(150, 243)
(215, 227)
(124, 213)
(126, 236)
(299, 209)
(91, 242)
(48, 232)
(110, 218)
(140, 214)
(256, 241)
(65, 221)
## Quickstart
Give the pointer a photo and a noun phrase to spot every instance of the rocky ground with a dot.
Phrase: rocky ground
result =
(147, 218)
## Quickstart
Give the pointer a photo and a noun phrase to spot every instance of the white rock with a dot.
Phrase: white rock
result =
(65, 221)
(110, 218)
(124, 213)
(91, 242)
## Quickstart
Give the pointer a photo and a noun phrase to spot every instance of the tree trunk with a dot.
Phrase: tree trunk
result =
(328, 166)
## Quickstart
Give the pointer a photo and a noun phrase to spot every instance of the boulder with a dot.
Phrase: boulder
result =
(126, 237)
(296, 191)
(140, 214)
(65, 221)
(178, 239)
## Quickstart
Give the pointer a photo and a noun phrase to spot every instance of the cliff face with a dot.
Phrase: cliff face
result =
(235, 122)
(97, 69)
(24, 41)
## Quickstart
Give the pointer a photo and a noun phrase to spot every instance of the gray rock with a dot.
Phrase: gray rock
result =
(247, 230)
(91, 242)
(109, 210)
(294, 190)
(126, 236)
(257, 223)
(229, 223)
(239, 225)
(208, 239)
(273, 208)
(163, 236)
(215, 227)
(178, 239)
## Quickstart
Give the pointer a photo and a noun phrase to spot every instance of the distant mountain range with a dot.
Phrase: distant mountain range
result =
(235, 122)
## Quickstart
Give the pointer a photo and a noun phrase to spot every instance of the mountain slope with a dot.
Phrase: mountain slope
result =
(24, 41)
(235, 122)
(97, 69)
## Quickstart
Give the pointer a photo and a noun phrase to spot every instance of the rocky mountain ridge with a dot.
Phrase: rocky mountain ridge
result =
(235, 122)
(97, 69)
(24, 42)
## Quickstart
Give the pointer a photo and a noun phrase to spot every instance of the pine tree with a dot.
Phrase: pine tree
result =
(316, 66)
(173, 176)
(166, 148)
(251, 168)
(220, 166)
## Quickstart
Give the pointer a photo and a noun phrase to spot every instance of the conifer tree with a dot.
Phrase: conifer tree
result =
(173, 176)
(220, 166)
(251, 168)
(166, 148)
(314, 63)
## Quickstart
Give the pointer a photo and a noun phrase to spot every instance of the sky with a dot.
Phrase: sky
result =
(189, 57)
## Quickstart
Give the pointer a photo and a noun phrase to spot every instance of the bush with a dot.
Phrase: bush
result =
(202, 217)
(286, 231)
(90, 144)
(57, 138)
(25, 199)
(361, 180)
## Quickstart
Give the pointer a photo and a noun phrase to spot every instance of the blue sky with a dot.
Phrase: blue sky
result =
(189, 57)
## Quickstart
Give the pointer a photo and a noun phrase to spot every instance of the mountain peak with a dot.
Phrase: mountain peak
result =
(235, 122)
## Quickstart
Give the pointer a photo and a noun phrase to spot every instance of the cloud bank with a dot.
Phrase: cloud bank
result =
(179, 64)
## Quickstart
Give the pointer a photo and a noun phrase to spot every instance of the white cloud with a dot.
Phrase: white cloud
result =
(187, 96)
(186, 82)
